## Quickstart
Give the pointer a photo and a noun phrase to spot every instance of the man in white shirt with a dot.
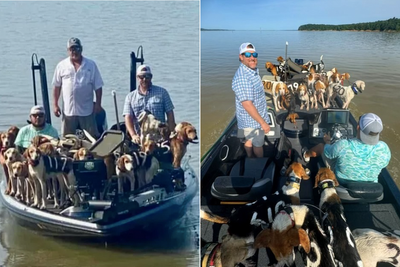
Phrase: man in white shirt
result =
(77, 77)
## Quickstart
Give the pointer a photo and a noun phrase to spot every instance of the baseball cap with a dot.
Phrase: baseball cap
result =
(38, 109)
(143, 70)
(73, 42)
(243, 48)
(370, 128)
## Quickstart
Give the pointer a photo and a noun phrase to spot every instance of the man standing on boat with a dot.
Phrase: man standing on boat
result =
(251, 106)
(147, 97)
(38, 126)
(77, 77)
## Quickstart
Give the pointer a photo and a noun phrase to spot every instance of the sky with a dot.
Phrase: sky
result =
(290, 14)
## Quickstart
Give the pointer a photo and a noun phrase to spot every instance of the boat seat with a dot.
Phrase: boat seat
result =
(360, 192)
(248, 181)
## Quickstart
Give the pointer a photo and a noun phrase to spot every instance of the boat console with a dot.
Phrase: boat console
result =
(333, 121)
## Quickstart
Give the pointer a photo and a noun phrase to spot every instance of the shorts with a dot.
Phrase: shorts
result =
(255, 135)
(71, 123)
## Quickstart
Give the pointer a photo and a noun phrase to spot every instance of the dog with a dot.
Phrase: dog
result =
(83, 154)
(272, 68)
(320, 90)
(20, 172)
(11, 155)
(334, 222)
(149, 125)
(317, 68)
(125, 170)
(302, 92)
(374, 246)
(277, 93)
(346, 93)
(185, 133)
(295, 173)
(41, 167)
(289, 103)
(296, 226)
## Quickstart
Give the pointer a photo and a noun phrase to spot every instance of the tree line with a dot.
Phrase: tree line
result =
(392, 24)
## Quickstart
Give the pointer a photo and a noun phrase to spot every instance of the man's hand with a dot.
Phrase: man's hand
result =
(265, 127)
(96, 108)
(327, 138)
(57, 111)
(135, 139)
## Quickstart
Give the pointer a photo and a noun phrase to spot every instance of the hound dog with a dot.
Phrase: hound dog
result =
(289, 102)
(10, 156)
(292, 227)
(295, 173)
(311, 80)
(302, 92)
(280, 90)
(42, 167)
(185, 133)
(272, 68)
(346, 93)
(20, 172)
(149, 125)
(334, 222)
(375, 246)
(314, 68)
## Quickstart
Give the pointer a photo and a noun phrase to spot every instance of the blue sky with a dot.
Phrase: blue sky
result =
(290, 14)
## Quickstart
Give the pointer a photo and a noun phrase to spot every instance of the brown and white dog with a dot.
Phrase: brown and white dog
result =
(277, 93)
(295, 173)
(20, 172)
(125, 171)
(334, 222)
(302, 92)
(272, 68)
(149, 125)
(185, 133)
(11, 155)
(41, 167)
(375, 246)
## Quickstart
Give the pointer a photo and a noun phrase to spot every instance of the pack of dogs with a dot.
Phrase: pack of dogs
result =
(293, 234)
(319, 86)
(44, 170)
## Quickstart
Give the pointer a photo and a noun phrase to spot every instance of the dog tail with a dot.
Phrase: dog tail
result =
(213, 218)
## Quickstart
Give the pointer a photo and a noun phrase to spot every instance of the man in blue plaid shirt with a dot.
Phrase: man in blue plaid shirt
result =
(147, 97)
(251, 106)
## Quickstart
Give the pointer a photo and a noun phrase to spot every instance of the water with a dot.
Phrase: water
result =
(109, 31)
(373, 57)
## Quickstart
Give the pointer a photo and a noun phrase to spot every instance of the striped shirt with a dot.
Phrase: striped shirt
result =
(28, 132)
(157, 101)
(356, 161)
(247, 85)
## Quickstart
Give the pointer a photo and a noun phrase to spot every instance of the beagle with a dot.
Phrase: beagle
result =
(334, 222)
(10, 156)
(83, 153)
(124, 170)
(20, 173)
(292, 227)
(41, 167)
(272, 68)
(185, 133)
(149, 125)
(302, 92)
(277, 93)
(350, 91)
(375, 246)
(320, 89)
(294, 173)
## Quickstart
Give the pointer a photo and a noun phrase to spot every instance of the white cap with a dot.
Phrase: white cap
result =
(38, 109)
(370, 128)
(244, 47)
(143, 70)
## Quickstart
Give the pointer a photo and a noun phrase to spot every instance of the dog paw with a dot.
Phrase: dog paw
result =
(56, 206)
(43, 207)
(7, 192)
(12, 193)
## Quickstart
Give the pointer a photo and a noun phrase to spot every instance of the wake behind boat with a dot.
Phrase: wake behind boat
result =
(229, 179)
(103, 211)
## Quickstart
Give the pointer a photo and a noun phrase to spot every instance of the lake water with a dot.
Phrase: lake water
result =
(373, 57)
(109, 31)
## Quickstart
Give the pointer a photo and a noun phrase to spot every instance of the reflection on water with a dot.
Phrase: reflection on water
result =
(369, 56)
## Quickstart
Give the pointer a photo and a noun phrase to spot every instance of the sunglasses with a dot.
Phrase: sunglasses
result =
(248, 54)
(38, 115)
(148, 76)
(75, 48)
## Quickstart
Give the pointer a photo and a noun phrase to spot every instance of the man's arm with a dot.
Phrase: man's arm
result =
(171, 120)
(251, 109)
(129, 123)
(56, 96)
(97, 106)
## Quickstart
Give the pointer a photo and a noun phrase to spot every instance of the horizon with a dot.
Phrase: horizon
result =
(226, 14)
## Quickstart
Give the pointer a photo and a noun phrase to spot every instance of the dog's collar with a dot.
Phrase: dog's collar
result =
(295, 180)
(289, 211)
(213, 253)
(33, 162)
(325, 184)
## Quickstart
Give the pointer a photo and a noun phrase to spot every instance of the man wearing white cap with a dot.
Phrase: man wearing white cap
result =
(77, 78)
(38, 126)
(358, 159)
(147, 97)
(251, 106)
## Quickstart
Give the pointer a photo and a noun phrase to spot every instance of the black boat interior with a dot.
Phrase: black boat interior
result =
(231, 179)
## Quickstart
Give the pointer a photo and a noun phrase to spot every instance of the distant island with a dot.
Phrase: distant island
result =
(390, 25)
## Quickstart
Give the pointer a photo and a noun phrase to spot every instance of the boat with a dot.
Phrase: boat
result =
(230, 179)
(103, 213)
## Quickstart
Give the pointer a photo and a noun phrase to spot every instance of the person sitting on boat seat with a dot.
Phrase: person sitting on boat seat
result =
(251, 106)
(38, 126)
(359, 159)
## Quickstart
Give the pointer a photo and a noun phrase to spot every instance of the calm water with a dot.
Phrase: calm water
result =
(368, 56)
(109, 31)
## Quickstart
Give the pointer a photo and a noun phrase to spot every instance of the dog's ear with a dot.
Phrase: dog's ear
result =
(317, 177)
(263, 239)
(121, 163)
(26, 153)
(76, 155)
(304, 240)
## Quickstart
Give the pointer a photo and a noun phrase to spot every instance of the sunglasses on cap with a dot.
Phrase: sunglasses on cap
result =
(147, 76)
(248, 54)
(41, 115)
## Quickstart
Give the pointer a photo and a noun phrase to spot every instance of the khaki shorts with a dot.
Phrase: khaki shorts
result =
(70, 124)
(255, 135)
